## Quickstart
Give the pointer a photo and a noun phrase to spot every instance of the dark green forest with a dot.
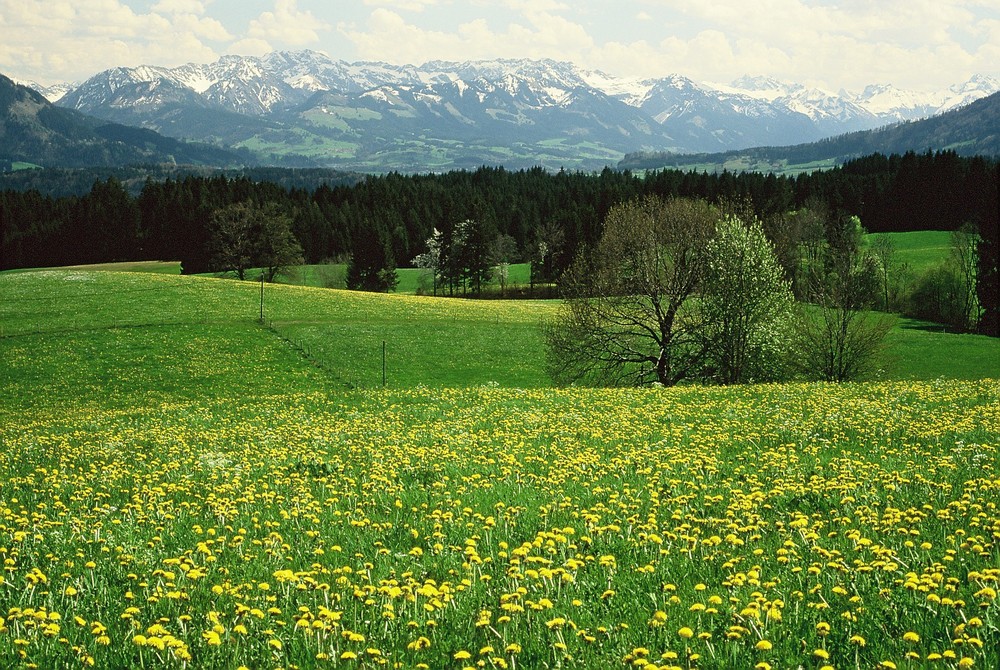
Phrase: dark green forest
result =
(167, 219)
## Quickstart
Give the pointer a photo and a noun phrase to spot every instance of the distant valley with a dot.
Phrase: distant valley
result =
(303, 109)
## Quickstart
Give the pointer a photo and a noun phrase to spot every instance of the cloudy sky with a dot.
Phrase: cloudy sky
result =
(916, 44)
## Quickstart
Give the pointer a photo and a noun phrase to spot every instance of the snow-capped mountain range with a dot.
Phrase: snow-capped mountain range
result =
(306, 108)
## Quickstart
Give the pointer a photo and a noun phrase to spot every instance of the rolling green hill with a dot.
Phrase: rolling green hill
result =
(113, 337)
(922, 249)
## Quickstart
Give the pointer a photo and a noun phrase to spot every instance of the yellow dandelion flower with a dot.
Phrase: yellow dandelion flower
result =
(418, 644)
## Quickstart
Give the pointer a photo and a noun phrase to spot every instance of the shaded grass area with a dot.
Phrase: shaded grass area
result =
(412, 281)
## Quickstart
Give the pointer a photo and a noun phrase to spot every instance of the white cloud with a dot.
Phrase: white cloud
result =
(389, 37)
(57, 40)
(287, 25)
(911, 43)
(537, 33)
(403, 5)
(179, 7)
(250, 47)
(848, 43)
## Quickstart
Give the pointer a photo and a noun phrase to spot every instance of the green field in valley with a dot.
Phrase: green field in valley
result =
(922, 250)
(186, 487)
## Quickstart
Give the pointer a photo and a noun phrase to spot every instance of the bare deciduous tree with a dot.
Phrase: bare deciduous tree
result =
(622, 320)
(883, 251)
(964, 259)
(837, 337)
(502, 250)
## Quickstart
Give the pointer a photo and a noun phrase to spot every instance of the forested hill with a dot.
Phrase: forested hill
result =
(63, 182)
(34, 131)
(169, 220)
(969, 131)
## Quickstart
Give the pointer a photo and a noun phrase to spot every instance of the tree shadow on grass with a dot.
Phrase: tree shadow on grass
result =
(928, 326)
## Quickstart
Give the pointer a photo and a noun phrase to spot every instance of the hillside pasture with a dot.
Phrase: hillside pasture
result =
(68, 331)
(921, 250)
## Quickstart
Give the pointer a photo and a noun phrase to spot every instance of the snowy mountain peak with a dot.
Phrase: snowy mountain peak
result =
(282, 79)
(979, 82)
(761, 84)
(887, 101)
(50, 93)
(324, 99)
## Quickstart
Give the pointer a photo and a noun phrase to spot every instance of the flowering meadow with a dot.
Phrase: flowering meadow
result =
(785, 526)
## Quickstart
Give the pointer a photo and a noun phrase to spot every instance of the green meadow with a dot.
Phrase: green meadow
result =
(922, 250)
(185, 486)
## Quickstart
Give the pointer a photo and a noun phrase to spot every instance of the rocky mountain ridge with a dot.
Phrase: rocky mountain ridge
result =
(303, 108)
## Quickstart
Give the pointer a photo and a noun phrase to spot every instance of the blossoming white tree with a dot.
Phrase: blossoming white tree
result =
(746, 305)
